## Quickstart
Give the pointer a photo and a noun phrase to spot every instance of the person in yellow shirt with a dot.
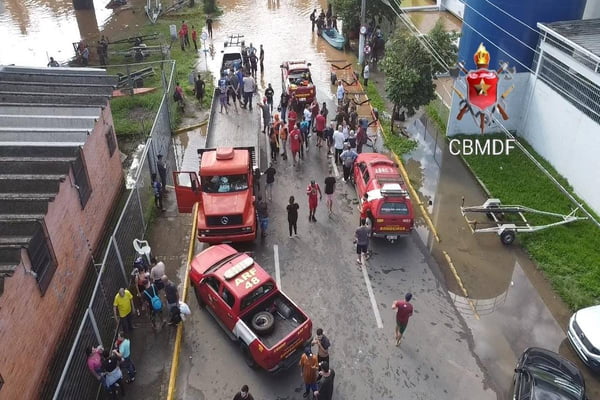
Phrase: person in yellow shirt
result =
(124, 308)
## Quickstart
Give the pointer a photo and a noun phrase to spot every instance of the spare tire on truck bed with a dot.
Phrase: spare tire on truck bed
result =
(263, 323)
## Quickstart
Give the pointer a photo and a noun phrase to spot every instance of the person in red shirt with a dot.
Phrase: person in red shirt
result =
(320, 123)
(365, 210)
(195, 38)
(186, 33)
(295, 139)
(182, 39)
(405, 311)
(311, 192)
(292, 117)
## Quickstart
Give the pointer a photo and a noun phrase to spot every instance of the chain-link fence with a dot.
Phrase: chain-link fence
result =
(98, 327)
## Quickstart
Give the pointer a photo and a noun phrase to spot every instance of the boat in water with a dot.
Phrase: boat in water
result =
(334, 38)
(153, 11)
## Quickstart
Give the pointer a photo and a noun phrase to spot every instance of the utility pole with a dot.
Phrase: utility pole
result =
(363, 24)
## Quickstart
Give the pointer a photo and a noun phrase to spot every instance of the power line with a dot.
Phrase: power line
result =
(513, 17)
(545, 171)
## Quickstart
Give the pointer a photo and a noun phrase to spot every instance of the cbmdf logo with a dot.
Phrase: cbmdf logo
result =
(482, 100)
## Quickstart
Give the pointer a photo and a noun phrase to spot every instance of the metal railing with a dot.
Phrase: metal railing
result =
(98, 326)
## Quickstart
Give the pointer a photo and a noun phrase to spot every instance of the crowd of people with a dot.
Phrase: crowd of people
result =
(151, 293)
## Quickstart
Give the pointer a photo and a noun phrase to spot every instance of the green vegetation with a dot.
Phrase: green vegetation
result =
(438, 113)
(134, 115)
(396, 143)
(568, 254)
(349, 12)
(444, 44)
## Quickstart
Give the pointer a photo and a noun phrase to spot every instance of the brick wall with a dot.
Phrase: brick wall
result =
(31, 325)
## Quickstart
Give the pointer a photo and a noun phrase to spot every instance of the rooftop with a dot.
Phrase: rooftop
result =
(582, 35)
(46, 116)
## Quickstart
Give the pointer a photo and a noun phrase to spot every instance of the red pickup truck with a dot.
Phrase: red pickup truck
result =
(271, 330)
(378, 177)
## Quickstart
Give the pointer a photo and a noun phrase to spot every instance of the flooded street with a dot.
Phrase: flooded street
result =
(509, 306)
(34, 30)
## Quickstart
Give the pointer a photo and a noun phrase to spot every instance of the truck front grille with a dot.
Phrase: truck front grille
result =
(224, 220)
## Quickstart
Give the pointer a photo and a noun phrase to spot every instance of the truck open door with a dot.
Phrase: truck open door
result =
(187, 190)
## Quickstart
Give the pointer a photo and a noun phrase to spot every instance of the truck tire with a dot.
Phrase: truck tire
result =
(263, 323)
(507, 237)
(247, 356)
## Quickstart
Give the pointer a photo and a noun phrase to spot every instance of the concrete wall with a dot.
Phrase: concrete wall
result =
(567, 138)
(31, 325)
(515, 107)
(456, 7)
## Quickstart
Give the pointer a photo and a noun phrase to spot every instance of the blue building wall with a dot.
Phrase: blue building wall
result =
(502, 46)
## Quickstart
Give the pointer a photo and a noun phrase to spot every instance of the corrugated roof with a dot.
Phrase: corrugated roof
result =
(584, 33)
(46, 115)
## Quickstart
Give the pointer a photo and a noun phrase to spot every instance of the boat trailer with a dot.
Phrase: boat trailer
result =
(507, 230)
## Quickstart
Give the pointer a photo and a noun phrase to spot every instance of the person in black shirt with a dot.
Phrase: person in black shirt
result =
(269, 92)
(292, 211)
(283, 103)
(327, 375)
(209, 23)
(243, 394)
(270, 172)
(329, 189)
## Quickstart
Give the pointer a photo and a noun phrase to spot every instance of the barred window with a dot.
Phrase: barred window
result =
(81, 178)
(111, 141)
(41, 256)
(572, 86)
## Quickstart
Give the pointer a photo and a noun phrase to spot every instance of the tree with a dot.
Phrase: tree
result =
(349, 12)
(409, 72)
(444, 44)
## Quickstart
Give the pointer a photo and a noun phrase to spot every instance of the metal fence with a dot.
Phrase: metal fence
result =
(98, 326)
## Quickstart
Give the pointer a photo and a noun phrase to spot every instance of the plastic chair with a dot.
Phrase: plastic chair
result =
(143, 249)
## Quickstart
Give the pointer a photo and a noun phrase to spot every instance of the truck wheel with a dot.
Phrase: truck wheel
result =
(263, 323)
(507, 237)
(247, 356)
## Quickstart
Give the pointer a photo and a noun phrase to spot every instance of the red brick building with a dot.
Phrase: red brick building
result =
(60, 176)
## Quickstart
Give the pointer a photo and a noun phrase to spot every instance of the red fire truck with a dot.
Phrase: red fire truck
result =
(392, 212)
(272, 331)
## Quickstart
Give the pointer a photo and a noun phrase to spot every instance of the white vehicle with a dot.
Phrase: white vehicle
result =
(584, 335)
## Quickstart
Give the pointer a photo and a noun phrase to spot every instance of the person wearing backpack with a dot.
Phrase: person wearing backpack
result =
(323, 344)
(155, 303)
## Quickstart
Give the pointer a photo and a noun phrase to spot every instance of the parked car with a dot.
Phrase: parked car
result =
(378, 176)
(542, 374)
(584, 335)
(271, 330)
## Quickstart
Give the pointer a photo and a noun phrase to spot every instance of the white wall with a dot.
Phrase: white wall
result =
(456, 7)
(592, 9)
(515, 106)
(568, 139)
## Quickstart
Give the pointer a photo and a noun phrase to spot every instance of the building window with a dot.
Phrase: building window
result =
(41, 256)
(81, 178)
(111, 141)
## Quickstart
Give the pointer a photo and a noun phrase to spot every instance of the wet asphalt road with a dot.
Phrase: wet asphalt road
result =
(319, 272)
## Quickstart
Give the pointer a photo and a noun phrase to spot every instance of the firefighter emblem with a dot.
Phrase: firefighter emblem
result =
(482, 100)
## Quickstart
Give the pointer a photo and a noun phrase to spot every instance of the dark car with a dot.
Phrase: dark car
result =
(543, 374)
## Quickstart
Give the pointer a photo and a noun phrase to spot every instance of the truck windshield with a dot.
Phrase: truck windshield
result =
(256, 294)
(300, 77)
(394, 208)
(224, 183)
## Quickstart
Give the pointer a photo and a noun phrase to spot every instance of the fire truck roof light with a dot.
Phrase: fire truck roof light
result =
(237, 268)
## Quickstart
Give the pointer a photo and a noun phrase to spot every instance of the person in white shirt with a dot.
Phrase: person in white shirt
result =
(307, 117)
(340, 93)
(345, 130)
(338, 143)
(366, 74)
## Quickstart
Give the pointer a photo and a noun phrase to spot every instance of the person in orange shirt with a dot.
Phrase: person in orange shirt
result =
(309, 366)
